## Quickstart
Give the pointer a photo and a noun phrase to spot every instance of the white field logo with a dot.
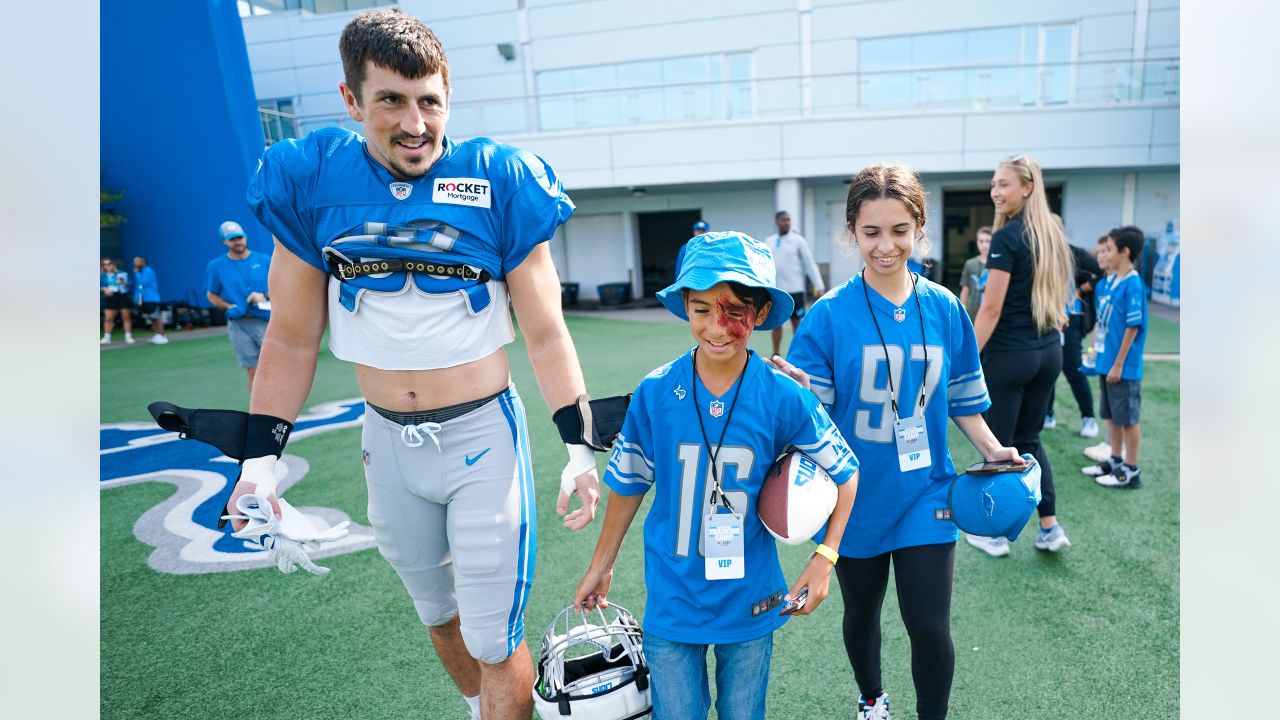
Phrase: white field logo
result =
(461, 191)
(400, 190)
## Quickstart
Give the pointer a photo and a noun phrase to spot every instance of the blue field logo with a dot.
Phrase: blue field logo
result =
(184, 528)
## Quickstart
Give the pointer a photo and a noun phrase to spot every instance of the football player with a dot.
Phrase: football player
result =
(702, 431)
(411, 248)
(892, 355)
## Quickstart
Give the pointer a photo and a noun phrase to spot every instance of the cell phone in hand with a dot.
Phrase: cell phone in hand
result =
(999, 466)
(796, 602)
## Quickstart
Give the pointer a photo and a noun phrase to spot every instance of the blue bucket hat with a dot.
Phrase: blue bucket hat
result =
(718, 257)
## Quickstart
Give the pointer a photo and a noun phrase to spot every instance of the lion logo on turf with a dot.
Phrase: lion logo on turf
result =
(183, 530)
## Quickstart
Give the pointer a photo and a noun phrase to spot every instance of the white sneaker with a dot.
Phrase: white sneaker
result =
(995, 547)
(1049, 422)
(158, 340)
(1106, 467)
(1099, 452)
(106, 340)
(128, 339)
(1089, 428)
(1054, 540)
(879, 711)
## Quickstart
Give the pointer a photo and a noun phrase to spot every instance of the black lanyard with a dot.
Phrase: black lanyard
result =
(893, 398)
(717, 492)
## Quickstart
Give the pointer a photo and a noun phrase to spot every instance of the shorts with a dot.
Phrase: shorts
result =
(149, 309)
(246, 338)
(456, 520)
(1122, 402)
(118, 301)
(798, 310)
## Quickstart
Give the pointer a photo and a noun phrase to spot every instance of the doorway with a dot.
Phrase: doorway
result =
(963, 212)
(661, 236)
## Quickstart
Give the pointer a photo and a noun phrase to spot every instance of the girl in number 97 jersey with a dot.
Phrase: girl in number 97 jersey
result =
(892, 356)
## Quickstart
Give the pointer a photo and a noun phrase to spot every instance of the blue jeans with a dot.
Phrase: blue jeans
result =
(679, 674)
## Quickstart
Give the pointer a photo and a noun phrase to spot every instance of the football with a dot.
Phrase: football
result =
(796, 498)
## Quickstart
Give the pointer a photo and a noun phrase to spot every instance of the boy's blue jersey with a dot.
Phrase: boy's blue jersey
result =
(482, 204)
(661, 446)
(1122, 307)
(837, 345)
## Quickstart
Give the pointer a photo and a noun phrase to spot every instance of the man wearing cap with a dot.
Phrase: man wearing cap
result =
(698, 228)
(237, 283)
(794, 262)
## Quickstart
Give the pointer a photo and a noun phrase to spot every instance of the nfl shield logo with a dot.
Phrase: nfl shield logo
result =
(717, 408)
(401, 190)
(899, 314)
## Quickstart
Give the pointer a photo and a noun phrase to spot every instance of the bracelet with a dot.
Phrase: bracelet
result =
(827, 553)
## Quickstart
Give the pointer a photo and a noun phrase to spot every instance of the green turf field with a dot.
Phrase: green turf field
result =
(1091, 632)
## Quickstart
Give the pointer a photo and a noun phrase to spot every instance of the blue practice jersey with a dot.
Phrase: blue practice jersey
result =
(661, 446)
(1122, 307)
(482, 204)
(235, 280)
(837, 345)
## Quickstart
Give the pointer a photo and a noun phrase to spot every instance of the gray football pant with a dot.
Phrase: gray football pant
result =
(451, 506)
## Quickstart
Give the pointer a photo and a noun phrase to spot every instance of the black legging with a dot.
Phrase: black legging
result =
(1019, 382)
(1073, 336)
(923, 575)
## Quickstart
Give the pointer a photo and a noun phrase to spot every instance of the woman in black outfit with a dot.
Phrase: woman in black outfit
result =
(1019, 327)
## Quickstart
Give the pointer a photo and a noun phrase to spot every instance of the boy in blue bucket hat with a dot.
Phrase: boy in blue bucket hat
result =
(703, 431)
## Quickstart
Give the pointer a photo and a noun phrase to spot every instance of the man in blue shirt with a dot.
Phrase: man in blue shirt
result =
(146, 292)
(237, 283)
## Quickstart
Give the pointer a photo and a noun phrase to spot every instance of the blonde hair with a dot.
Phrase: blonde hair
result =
(1050, 256)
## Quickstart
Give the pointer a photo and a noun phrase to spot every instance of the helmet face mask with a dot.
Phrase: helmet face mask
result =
(592, 667)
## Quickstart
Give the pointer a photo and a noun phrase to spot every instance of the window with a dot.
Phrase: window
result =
(278, 120)
(319, 7)
(1029, 64)
(696, 87)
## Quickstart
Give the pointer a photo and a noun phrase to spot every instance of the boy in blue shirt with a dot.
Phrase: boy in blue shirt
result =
(719, 393)
(1121, 337)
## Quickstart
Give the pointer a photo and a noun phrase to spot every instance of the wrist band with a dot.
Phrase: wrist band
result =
(827, 553)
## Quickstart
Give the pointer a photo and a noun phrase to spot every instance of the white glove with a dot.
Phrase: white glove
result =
(288, 538)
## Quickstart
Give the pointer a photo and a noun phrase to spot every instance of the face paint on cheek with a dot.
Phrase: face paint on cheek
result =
(738, 327)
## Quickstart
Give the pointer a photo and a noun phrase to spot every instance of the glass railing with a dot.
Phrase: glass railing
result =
(939, 89)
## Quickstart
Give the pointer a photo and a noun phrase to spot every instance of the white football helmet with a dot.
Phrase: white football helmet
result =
(606, 680)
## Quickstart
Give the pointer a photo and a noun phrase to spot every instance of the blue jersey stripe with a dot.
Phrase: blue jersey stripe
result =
(513, 409)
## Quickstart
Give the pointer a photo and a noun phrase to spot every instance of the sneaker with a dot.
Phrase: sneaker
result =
(106, 340)
(158, 340)
(1121, 478)
(1052, 540)
(128, 339)
(1089, 429)
(995, 547)
(1106, 467)
(1049, 422)
(1099, 452)
(879, 711)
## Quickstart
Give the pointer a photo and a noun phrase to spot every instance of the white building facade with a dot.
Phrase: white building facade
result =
(657, 114)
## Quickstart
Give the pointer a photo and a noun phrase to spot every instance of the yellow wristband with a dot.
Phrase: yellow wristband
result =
(827, 553)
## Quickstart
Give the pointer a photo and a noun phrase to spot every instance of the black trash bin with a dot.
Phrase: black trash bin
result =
(612, 294)
(568, 294)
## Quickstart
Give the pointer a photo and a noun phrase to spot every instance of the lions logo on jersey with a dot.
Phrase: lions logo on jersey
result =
(183, 529)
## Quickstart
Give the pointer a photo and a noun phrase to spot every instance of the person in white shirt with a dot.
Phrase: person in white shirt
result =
(794, 261)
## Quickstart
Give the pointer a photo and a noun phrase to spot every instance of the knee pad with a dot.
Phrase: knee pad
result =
(432, 593)
(489, 645)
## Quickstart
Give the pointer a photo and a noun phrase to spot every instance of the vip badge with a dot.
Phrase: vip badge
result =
(717, 408)
(899, 314)
(400, 190)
